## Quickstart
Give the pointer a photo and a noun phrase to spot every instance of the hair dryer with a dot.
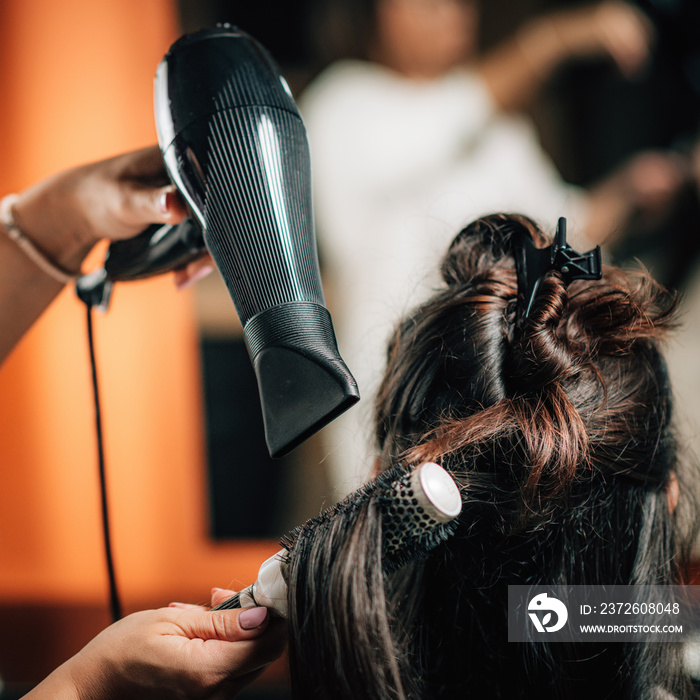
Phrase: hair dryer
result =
(235, 146)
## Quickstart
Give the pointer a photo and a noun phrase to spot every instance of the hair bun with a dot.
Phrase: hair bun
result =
(485, 244)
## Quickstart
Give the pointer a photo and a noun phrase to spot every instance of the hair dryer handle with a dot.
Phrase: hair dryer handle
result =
(158, 249)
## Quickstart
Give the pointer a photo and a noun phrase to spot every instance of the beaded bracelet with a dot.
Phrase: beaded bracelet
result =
(7, 219)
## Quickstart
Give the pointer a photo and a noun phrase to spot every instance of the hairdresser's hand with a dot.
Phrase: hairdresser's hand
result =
(514, 70)
(220, 595)
(193, 272)
(65, 215)
(654, 178)
(648, 184)
(607, 28)
(177, 652)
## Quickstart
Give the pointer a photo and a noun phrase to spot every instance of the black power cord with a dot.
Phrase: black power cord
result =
(95, 290)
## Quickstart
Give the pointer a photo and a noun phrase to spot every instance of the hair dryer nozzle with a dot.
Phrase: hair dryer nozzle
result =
(303, 382)
(235, 145)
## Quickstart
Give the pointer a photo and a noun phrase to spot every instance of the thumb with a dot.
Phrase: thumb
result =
(225, 625)
(159, 205)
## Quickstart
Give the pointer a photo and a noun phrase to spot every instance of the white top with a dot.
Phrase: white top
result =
(398, 167)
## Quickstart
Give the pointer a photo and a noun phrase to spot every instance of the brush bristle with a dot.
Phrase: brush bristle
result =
(408, 532)
(349, 504)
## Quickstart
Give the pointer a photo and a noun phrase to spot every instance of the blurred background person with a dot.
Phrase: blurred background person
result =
(412, 135)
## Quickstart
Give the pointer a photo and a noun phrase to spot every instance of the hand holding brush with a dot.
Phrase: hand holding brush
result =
(418, 509)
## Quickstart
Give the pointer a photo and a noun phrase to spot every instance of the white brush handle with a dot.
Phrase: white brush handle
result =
(270, 589)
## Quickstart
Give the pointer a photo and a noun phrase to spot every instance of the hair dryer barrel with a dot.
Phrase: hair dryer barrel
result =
(235, 145)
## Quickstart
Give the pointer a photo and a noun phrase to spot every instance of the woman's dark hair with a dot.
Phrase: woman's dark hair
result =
(557, 427)
(340, 29)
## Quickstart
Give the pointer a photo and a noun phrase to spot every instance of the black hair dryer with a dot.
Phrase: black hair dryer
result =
(235, 146)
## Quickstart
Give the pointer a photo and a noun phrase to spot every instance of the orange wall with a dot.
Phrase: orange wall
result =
(76, 79)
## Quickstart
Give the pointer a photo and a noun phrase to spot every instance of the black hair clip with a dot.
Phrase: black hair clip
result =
(532, 263)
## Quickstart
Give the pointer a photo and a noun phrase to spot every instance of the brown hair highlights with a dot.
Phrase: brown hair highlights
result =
(558, 431)
(546, 396)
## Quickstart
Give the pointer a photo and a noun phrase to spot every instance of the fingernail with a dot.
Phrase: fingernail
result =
(214, 591)
(195, 277)
(176, 605)
(164, 202)
(202, 272)
(251, 618)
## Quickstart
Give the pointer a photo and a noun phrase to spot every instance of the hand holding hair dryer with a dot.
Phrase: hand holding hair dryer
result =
(235, 146)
